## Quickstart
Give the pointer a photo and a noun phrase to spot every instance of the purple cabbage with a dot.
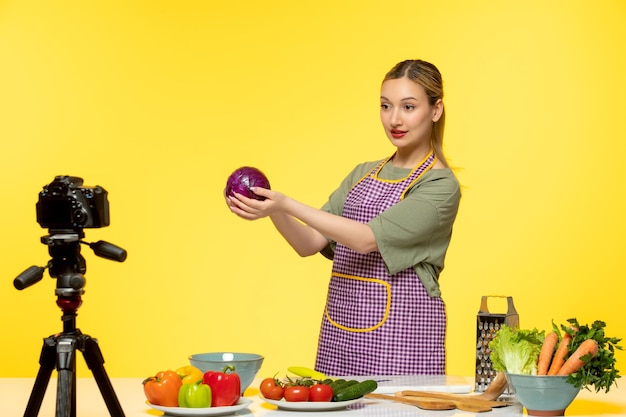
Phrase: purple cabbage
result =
(242, 179)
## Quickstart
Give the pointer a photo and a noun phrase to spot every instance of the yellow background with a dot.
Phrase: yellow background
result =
(159, 101)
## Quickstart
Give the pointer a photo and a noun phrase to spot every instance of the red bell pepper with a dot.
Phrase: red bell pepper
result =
(225, 387)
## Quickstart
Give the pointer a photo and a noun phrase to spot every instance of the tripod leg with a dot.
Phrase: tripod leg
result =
(66, 384)
(47, 362)
(95, 362)
(66, 389)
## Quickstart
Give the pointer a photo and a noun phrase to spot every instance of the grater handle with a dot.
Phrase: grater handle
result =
(485, 309)
(509, 300)
(512, 318)
(511, 308)
(483, 305)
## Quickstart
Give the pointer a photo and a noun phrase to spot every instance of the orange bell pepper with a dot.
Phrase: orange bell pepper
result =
(162, 389)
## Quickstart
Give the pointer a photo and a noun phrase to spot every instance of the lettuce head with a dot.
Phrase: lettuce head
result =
(516, 351)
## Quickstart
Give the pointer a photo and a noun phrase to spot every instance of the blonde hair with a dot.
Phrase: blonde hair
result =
(428, 76)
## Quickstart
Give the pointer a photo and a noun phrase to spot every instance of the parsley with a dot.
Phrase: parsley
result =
(598, 371)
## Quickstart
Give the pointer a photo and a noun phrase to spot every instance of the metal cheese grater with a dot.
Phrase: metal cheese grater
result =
(487, 326)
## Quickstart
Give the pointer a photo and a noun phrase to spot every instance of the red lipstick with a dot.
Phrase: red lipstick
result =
(397, 134)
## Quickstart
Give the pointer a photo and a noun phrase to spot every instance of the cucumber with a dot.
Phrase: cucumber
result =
(340, 384)
(337, 383)
(355, 391)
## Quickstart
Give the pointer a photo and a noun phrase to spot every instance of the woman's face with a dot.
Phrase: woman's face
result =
(406, 114)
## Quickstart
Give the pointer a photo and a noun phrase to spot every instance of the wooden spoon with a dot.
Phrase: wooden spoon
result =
(453, 397)
(493, 391)
(433, 403)
(495, 388)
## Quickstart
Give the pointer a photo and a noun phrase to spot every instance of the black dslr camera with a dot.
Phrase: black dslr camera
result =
(65, 207)
(66, 204)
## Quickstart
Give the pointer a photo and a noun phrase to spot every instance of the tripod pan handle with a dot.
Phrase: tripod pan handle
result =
(29, 277)
(108, 251)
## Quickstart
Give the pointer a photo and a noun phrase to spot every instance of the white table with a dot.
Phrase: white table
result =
(14, 394)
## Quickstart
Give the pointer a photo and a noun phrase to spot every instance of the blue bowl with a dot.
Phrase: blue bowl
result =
(542, 395)
(246, 364)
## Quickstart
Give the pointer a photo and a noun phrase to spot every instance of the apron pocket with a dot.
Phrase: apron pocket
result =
(357, 304)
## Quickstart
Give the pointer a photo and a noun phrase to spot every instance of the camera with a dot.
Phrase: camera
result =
(66, 204)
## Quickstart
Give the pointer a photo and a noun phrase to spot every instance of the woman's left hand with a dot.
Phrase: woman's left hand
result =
(252, 209)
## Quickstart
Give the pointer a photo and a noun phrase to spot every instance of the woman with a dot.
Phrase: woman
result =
(387, 229)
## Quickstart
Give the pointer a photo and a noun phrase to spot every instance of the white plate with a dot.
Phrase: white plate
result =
(209, 411)
(310, 405)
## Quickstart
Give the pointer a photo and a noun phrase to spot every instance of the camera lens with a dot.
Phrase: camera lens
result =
(79, 216)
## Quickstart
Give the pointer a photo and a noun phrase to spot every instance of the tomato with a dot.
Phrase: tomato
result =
(320, 392)
(271, 389)
(296, 393)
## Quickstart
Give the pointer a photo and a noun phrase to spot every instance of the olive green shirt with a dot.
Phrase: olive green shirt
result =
(416, 231)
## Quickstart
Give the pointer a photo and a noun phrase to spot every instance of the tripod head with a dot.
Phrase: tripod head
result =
(67, 263)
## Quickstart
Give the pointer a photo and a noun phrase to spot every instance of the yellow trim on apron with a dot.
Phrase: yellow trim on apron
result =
(432, 164)
(387, 286)
(387, 307)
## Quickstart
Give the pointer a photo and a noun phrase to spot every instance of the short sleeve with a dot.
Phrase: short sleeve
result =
(416, 231)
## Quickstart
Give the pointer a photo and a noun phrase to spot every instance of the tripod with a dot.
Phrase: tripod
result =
(59, 350)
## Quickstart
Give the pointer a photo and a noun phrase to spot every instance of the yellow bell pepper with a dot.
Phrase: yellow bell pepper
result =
(190, 374)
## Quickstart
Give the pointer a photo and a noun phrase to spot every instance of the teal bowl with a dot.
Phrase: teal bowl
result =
(542, 395)
(246, 364)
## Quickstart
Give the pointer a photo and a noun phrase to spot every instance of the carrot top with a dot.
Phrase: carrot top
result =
(599, 370)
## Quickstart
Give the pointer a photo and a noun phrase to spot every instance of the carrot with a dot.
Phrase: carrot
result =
(547, 351)
(559, 355)
(573, 363)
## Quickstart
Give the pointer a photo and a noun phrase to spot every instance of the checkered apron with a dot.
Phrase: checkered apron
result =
(376, 323)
